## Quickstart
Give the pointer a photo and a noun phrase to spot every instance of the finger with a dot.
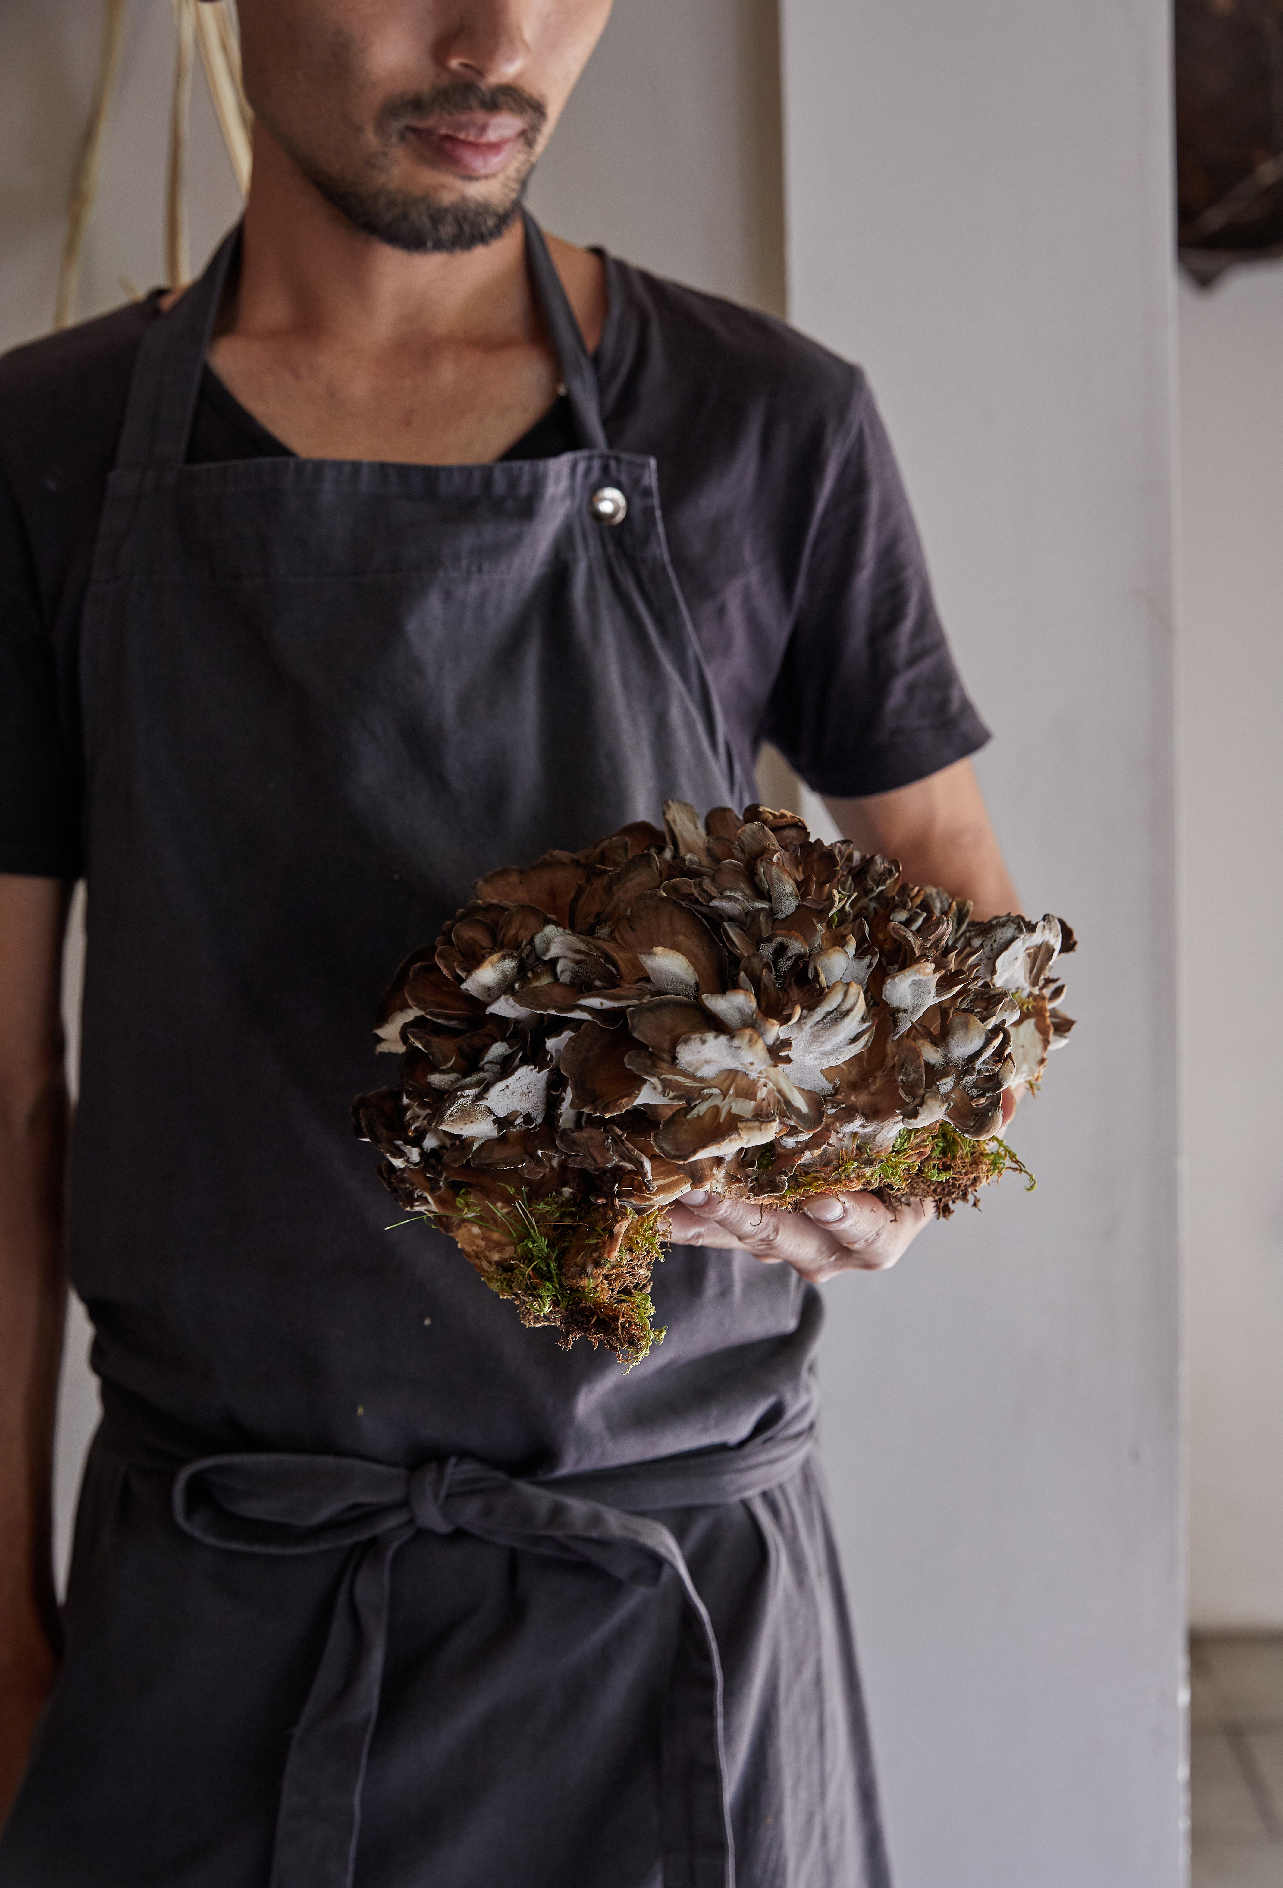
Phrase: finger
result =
(855, 1219)
(861, 1232)
(865, 1231)
(767, 1232)
(687, 1227)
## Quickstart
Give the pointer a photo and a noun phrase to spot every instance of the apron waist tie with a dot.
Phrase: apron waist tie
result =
(266, 1503)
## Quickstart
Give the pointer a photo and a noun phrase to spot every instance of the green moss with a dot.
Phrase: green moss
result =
(632, 1307)
(845, 1174)
(644, 1239)
(935, 1162)
(538, 1232)
(610, 1302)
(942, 1164)
(606, 1304)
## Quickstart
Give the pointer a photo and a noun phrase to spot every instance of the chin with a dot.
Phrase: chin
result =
(426, 222)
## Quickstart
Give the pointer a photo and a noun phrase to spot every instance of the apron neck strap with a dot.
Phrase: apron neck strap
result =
(166, 379)
(577, 373)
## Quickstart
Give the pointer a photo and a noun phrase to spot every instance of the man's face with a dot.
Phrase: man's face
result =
(419, 120)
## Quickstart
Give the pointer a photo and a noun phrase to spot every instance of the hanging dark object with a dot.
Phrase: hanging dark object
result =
(1229, 133)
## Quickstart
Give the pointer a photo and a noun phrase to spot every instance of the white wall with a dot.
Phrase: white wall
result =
(1230, 672)
(669, 150)
(977, 208)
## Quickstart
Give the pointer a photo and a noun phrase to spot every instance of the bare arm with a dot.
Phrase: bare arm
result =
(33, 1131)
(939, 830)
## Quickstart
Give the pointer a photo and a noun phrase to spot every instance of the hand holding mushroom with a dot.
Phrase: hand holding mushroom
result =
(829, 1233)
(729, 1005)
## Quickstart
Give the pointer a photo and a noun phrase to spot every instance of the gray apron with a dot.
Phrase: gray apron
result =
(370, 1584)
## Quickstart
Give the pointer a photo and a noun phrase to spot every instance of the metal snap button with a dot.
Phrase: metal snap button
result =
(608, 505)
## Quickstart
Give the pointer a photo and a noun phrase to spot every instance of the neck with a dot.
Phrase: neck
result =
(306, 270)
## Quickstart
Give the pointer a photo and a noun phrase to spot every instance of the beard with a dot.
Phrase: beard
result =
(415, 220)
(406, 220)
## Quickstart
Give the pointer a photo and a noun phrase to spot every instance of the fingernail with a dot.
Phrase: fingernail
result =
(696, 1197)
(824, 1207)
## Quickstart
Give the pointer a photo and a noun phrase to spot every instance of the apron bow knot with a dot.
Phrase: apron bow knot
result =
(265, 1503)
(428, 1488)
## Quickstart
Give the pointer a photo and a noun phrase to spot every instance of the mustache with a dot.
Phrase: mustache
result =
(463, 95)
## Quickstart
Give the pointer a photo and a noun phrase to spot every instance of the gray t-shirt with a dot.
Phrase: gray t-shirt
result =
(786, 519)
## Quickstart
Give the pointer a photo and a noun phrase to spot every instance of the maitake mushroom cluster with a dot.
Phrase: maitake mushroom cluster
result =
(730, 1004)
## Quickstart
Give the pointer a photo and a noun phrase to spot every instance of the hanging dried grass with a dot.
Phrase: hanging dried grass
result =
(212, 29)
(228, 29)
(85, 183)
(220, 56)
(176, 254)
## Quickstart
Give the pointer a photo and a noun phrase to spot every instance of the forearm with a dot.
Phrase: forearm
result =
(33, 1136)
(968, 863)
(939, 830)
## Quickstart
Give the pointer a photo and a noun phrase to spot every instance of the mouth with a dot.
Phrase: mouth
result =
(470, 144)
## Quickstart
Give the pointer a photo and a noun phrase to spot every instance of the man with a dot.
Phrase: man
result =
(329, 584)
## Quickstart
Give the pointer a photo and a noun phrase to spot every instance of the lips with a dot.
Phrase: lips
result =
(471, 144)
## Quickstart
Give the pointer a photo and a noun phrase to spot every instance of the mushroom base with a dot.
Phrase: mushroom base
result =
(582, 1265)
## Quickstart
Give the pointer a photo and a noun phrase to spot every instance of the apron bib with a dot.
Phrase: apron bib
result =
(320, 698)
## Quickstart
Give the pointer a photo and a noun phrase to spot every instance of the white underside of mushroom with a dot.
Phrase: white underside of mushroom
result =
(469, 1118)
(712, 1053)
(965, 1036)
(741, 1134)
(492, 976)
(841, 963)
(741, 1107)
(802, 1075)
(932, 1108)
(736, 1009)
(508, 1007)
(821, 1038)
(389, 1033)
(1025, 1050)
(910, 992)
(670, 971)
(524, 1093)
(1011, 964)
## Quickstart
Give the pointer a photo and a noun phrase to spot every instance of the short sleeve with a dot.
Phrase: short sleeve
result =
(39, 795)
(868, 696)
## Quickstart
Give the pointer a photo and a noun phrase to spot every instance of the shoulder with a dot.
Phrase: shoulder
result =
(62, 404)
(728, 362)
(62, 396)
(755, 429)
(45, 361)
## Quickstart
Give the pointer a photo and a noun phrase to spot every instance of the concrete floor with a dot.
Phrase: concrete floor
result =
(1236, 1760)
